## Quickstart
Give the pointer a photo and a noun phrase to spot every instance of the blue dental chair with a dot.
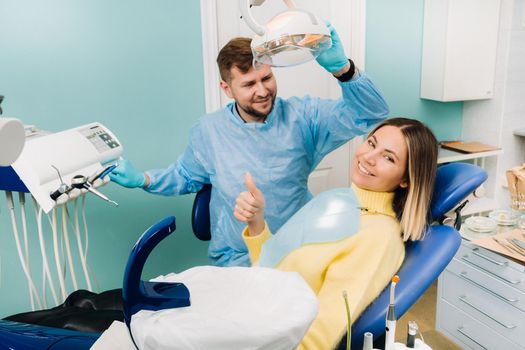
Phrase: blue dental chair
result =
(423, 263)
(424, 260)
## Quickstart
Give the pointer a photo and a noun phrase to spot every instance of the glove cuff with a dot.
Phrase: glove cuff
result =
(349, 74)
(142, 181)
(336, 66)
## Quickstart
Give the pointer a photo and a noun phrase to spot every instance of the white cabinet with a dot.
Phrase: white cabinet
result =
(460, 40)
(481, 300)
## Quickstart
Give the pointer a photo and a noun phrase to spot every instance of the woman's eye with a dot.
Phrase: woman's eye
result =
(370, 143)
(389, 158)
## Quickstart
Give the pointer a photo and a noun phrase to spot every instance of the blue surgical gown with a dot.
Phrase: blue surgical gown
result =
(280, 154)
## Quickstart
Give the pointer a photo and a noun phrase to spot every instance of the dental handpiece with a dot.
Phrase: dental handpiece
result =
(100, 195)
(80, 181)
(101, 174)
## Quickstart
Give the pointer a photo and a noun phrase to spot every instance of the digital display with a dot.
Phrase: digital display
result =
(99, 138)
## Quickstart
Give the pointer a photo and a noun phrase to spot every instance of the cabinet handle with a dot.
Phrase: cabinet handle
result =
(464, 257)
(488, 258)
(460, 330)
(463, 298)
(463, 275)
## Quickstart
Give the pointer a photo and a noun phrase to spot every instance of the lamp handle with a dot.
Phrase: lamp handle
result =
(244, 6)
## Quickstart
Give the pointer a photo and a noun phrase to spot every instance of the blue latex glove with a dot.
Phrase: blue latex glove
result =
(126, 175)
(333, 59)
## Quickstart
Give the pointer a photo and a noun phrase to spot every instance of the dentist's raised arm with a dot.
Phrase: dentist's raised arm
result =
(249, 207)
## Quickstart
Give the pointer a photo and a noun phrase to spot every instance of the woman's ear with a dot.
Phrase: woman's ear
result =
(403, 184)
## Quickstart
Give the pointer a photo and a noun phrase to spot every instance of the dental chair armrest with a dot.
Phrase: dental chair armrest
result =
(140, 295)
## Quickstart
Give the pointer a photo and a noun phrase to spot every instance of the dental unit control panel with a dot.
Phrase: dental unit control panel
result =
(50, 166)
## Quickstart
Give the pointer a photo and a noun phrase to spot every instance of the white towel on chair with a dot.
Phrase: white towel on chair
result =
(116, 337)
(231, 308)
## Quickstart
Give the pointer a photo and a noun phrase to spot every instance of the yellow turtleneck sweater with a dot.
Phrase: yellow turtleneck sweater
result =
(361, 264)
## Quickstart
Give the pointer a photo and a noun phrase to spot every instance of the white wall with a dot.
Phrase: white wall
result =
(493, 121)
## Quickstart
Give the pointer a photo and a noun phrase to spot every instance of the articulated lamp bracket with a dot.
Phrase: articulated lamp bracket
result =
(245, 6)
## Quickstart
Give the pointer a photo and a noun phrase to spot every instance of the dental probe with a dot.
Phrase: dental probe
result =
(390, 328)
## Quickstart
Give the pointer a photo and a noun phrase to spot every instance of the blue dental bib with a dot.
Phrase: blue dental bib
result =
(330, 216)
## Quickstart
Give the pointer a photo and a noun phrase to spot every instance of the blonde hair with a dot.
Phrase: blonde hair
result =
(412, 204)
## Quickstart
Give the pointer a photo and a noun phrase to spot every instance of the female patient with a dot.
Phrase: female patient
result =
(392, 177)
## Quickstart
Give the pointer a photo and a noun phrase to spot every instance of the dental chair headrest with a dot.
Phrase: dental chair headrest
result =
(454, 182)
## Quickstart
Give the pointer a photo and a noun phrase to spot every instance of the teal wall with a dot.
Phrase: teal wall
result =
(394, 33)
(135, 66)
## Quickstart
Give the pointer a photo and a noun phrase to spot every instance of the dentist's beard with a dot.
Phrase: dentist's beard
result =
(255, 113)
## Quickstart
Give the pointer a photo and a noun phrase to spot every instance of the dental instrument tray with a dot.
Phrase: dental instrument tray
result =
(508, 243)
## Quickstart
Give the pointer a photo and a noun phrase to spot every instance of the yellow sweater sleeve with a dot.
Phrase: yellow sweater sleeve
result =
(255, 243)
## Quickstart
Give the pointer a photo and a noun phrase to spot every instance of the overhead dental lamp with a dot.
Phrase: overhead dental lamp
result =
(292, 37)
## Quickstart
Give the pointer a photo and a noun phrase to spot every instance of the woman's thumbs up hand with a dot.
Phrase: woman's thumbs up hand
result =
(249, 207)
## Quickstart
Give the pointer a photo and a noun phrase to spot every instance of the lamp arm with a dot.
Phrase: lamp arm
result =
(244, 6)
(290, 4)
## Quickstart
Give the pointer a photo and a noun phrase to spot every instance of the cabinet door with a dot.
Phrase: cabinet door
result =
(468, 332)
(493, 264)
(485, 307)
(460, 39)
